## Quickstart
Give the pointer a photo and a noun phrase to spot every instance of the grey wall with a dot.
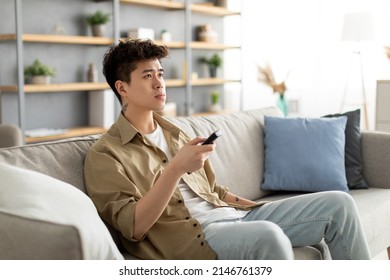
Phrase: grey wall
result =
(70, 109)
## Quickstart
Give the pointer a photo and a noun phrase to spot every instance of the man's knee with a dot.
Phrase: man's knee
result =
(340, 200)
(273, 243)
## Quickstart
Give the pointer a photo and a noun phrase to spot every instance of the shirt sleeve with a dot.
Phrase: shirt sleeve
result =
(112, 192)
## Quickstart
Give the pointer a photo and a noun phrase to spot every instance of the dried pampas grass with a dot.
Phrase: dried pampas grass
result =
(266, 76)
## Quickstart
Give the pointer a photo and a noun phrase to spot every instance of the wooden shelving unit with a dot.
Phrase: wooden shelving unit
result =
(199, 8)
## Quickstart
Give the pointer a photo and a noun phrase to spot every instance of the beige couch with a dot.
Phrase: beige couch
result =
(238, 163)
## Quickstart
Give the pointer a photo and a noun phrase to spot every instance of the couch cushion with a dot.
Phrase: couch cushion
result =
(31, 239)
(353, 153)
(374, 208)
(34, 195)
(310, 253)
(304, 154)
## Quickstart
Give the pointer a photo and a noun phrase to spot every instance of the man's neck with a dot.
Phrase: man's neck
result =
(142, 121)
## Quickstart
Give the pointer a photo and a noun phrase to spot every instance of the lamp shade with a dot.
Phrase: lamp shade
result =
(358, 27)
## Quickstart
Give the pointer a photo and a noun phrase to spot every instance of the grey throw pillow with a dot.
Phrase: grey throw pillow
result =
(353, 154)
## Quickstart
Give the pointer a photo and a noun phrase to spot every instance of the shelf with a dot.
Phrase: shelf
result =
(173, 5)
(212, 81)
(103, 86)
(175, 83)
(59, 39)
(82, 40)
(197, 45)
(212, 10)
(75, 86)
(211, 46)
(168, 5)
(171, 45)
(88, 40)
(200, 82)
(57, 87)
(72, 132)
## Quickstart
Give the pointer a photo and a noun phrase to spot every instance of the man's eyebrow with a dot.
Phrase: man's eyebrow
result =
(152, 70)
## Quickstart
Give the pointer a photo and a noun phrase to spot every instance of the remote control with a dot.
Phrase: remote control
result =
(212, 137)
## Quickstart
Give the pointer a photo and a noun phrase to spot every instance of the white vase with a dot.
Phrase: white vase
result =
(41, 80)
(166, 36)
(98, 30)
(215, 108)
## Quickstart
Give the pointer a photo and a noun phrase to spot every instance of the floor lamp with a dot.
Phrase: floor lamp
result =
(358, 27)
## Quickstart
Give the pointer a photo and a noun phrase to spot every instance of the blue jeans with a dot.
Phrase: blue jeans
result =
(270, 231)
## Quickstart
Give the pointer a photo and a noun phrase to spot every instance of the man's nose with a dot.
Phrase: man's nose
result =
(159, 82)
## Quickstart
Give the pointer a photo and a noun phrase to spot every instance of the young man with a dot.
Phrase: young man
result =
(156, 186)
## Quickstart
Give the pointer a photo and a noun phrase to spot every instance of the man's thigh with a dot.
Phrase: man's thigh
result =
(248, 240)
(303, 218)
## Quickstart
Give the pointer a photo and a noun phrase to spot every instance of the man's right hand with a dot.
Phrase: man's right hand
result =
(191, 156)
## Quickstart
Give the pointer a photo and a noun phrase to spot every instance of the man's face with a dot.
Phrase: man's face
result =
(147, 86)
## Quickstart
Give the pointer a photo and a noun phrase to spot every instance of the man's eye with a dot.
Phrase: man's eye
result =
(148, 76)
(161, 74)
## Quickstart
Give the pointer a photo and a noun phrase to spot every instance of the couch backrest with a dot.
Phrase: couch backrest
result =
(239, 155)
(62, 159)
(238, 159)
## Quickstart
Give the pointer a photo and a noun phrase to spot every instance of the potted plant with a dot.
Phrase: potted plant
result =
(214, 62)
(215, 107)
(39, 73)
(98, 22)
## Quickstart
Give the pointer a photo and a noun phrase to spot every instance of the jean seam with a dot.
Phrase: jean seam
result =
(301, 221)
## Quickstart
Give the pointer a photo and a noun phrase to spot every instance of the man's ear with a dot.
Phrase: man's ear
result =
(121, 87)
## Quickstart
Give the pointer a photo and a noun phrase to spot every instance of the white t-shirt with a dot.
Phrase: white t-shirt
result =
(199, 208)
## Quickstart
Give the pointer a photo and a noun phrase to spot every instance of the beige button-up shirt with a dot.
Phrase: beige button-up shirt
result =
(122, 166)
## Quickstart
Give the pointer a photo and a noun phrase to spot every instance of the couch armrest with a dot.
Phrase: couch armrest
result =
(10, 136)
(29, 239)
(376, 158)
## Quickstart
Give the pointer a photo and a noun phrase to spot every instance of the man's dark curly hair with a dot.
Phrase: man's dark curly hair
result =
(120, 60)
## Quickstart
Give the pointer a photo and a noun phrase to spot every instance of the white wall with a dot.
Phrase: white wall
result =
(304, 37)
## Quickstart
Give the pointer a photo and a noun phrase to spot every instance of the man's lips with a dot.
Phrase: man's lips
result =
(160, 96)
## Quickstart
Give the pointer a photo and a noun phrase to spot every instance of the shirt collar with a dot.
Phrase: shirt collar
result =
(127, 131)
